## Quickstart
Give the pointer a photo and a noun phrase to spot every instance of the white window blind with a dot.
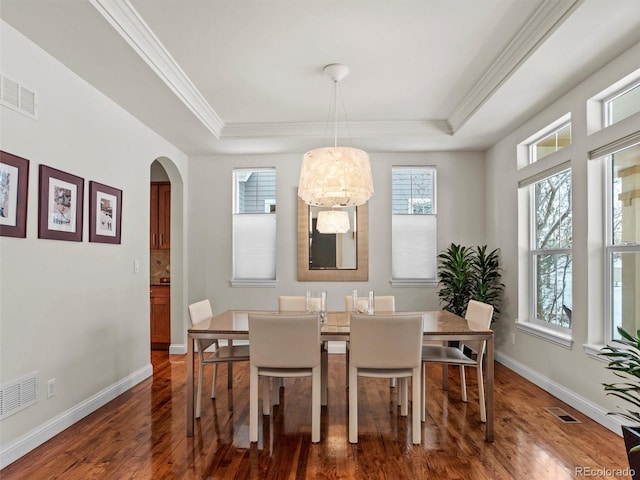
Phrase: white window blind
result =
(254, 246)
(414, 247)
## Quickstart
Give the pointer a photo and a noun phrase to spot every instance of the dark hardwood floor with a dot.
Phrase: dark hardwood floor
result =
(142, 434)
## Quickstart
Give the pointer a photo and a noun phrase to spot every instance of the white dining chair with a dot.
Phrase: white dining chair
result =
(479, 317)
(292, 303)
(198, 312)
(283, 346)
(386, 346)
(381, 304)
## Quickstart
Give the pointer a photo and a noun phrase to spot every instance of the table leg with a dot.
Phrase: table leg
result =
(190, 402)
(489, 389)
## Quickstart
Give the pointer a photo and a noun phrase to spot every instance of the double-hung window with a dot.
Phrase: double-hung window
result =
(413, 225)
(622, 241)
(550, 267)
(254, 227)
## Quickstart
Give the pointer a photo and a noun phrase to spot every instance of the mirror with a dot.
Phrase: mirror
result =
(333, 257)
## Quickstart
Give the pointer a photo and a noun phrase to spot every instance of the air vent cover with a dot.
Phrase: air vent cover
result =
(17, 97)
(18, 395)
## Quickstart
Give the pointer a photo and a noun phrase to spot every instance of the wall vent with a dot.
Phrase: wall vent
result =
(18, 395)
(17, 97)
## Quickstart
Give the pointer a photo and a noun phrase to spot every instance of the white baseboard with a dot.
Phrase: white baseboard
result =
(587, 407)
(177, 349)
(36, 437)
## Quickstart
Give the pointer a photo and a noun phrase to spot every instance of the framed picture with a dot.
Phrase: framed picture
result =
(14, 185)
(60, 205)
(105, 213)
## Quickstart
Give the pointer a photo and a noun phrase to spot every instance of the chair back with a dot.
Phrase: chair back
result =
(385, 341)
(284, 341)
(292, 303)
(382, 303)
(198, 312)
(479, 317)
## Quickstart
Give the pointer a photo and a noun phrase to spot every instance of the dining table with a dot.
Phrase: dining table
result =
(439, 325)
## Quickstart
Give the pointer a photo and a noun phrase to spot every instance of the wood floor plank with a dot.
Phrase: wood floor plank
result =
(142, 434)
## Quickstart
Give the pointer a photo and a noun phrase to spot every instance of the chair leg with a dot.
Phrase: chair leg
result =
(229, 374)
(392, 382)
(404, 396)
(253, 404)
(277, 383)
(463, 384)
(445, 377)
(315, 404)
(324, 372)
(423, 393)
(353, 405)
(483, 408)
(214, 381)
(266, 395)
(415, 408)
(346, 362)
(199, 390)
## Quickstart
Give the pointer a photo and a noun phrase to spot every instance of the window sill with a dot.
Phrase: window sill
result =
(559, 338)
(593, 350)
(413, 282)
(253, 283)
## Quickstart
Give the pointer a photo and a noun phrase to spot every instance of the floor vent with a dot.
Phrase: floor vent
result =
(18, 395)
(17, 97)
(562, 415)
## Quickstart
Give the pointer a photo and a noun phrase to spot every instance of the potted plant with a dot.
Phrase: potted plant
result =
(455, 272)
(625, 363)
(469, 274)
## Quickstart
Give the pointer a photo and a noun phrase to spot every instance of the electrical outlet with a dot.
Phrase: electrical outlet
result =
(51, 388)
(513, 339)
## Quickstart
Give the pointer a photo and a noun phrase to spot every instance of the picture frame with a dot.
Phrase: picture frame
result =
(105, 213)
(60, 205)
(14, 189)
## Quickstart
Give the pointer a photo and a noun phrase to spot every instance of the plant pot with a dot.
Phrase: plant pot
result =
(631, 439)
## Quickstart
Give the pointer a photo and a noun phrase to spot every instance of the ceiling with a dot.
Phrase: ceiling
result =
(244, 76)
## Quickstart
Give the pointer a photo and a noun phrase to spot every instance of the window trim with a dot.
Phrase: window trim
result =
(543, 136)
(607, 101)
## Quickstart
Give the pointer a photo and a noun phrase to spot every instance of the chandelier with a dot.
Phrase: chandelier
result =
(333, 221)
(335, 176)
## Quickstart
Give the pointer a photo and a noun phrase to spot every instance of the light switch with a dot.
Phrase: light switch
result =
(136, 266)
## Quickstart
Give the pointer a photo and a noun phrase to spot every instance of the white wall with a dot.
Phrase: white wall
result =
(568, 373)
(460, 197)
(75, 311)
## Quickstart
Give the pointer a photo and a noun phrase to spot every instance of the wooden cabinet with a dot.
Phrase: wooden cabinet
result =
(160, 235)
(160, 317)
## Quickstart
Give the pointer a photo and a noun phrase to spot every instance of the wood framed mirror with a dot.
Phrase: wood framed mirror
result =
(342, 268)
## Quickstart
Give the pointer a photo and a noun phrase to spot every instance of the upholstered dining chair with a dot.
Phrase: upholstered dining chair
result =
(283, 346)
(386, 346)
(228, 354)
(479, 316)
(292, 304)
(381, 304)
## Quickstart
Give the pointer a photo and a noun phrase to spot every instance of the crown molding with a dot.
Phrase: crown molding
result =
(353, 129)
(130, 25)
(544, 21)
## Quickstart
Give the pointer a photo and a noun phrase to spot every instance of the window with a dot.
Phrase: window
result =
(622, 238)
(550, 142)
(413, 225)
(254, 227)
(550, 252)
(622, 104)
